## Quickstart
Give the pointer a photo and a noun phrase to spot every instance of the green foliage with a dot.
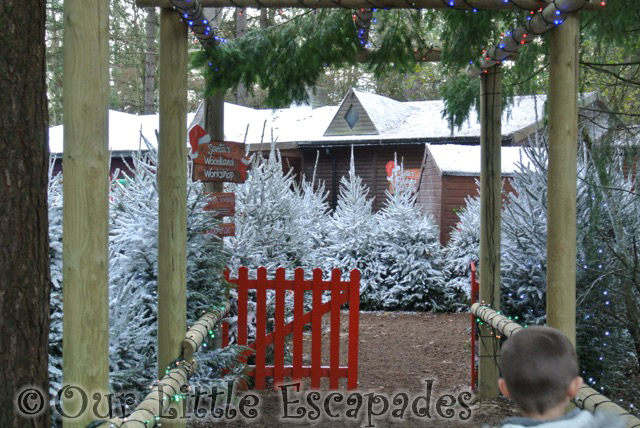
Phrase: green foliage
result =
(285, 59)
(460, 96)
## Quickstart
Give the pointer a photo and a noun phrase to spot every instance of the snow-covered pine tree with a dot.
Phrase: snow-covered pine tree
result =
(269, 219)
(350, 243)
(133, 275)
(409, 250)
(524, 243)
(55, 254)
(134, 264)
(463, 247)
(608, 322)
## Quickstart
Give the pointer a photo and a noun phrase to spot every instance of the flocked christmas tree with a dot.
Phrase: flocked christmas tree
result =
(351, 244)
(463, 247)
(133, 276)
(409, 252)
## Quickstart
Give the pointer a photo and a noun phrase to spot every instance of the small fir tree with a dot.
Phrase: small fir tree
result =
(409, 250)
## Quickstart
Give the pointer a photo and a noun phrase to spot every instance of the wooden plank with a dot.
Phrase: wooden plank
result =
(224, 204)
(354, 329)
(261, 320)
(490, 220)
(243, 275)
(316, 330)
(563, 145)
(298, 323)
(334, 348)
(172, 189)
(278, 355)
(85, 208)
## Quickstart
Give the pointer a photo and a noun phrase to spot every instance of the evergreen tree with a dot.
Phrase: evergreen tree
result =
(409, 250)
(463, 247)
(272, 222)
(55, 254)
(524, 226)
(133, 276)
(350, 243)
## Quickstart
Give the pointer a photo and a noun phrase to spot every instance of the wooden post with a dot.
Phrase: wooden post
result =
(86, 209)
(172, 186)
(490, 220)
(563, 142)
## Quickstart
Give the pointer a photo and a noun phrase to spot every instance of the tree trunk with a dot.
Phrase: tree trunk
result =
(24, 242)
(242, 95)
(150, 62)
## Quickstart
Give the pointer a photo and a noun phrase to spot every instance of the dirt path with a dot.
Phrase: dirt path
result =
(401, 355)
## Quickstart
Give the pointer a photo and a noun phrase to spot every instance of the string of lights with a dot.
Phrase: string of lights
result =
(192, 13)
(538, 23)
(471, 5)
(174, 384)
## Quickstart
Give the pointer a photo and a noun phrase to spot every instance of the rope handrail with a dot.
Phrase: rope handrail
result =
(587, 398)
(174, 383)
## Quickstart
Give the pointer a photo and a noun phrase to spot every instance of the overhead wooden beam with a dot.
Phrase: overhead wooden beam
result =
(563, 147)
(490, 223)
(172, 187)
(85, 254)
(381, 4)
(550, 17)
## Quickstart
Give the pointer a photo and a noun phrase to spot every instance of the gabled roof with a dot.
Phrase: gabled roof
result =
(363, 113)
(456, 159)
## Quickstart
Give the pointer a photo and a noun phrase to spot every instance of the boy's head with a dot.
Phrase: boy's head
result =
(539, 369)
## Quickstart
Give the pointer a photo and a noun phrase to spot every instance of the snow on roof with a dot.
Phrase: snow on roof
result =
(124, 131)
(416, 121)
(456, 159)
(385, 113)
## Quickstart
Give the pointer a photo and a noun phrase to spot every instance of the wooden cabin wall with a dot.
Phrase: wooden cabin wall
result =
(370, 165)
(430, 194)
(454, 191)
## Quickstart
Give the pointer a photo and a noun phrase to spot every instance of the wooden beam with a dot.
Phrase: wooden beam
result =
(549, 18)
(86, 209)
(358, 4)
(490, 221)
(172, 186)
(563, 146)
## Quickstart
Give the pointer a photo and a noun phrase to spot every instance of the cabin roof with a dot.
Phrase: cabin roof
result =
(395, 123)
(464, 160)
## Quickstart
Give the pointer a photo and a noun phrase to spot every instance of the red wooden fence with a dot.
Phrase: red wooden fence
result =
(475, 289)
(341, 292)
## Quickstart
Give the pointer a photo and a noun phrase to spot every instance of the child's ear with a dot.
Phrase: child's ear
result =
(502, 385)
(574, 386)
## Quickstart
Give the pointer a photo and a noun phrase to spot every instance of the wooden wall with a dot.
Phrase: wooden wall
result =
(455, 189)
(370, 164)
(430, 195)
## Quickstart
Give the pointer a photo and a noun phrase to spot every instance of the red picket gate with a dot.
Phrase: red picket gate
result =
(475, 289)
(341, 292)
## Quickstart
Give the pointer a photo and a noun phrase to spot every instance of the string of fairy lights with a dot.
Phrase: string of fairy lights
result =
(502, 327)
(173, 386)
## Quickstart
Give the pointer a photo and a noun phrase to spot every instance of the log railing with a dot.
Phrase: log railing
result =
(587, 398)
(156, 403)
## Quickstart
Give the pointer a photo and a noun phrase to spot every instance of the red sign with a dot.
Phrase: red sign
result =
(224, 204)
(224, 229)
(411, 175)
(220, 161)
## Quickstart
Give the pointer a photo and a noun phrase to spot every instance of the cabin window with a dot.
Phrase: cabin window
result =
(351, 117)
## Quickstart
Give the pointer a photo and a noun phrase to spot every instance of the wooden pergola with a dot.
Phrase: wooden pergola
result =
(86, 160)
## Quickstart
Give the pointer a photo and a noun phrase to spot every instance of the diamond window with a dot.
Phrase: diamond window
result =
(351, 117)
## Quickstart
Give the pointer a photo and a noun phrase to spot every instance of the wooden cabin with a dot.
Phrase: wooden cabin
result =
(318, 142)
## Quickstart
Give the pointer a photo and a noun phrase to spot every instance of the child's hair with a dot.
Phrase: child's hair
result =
(538, 365)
